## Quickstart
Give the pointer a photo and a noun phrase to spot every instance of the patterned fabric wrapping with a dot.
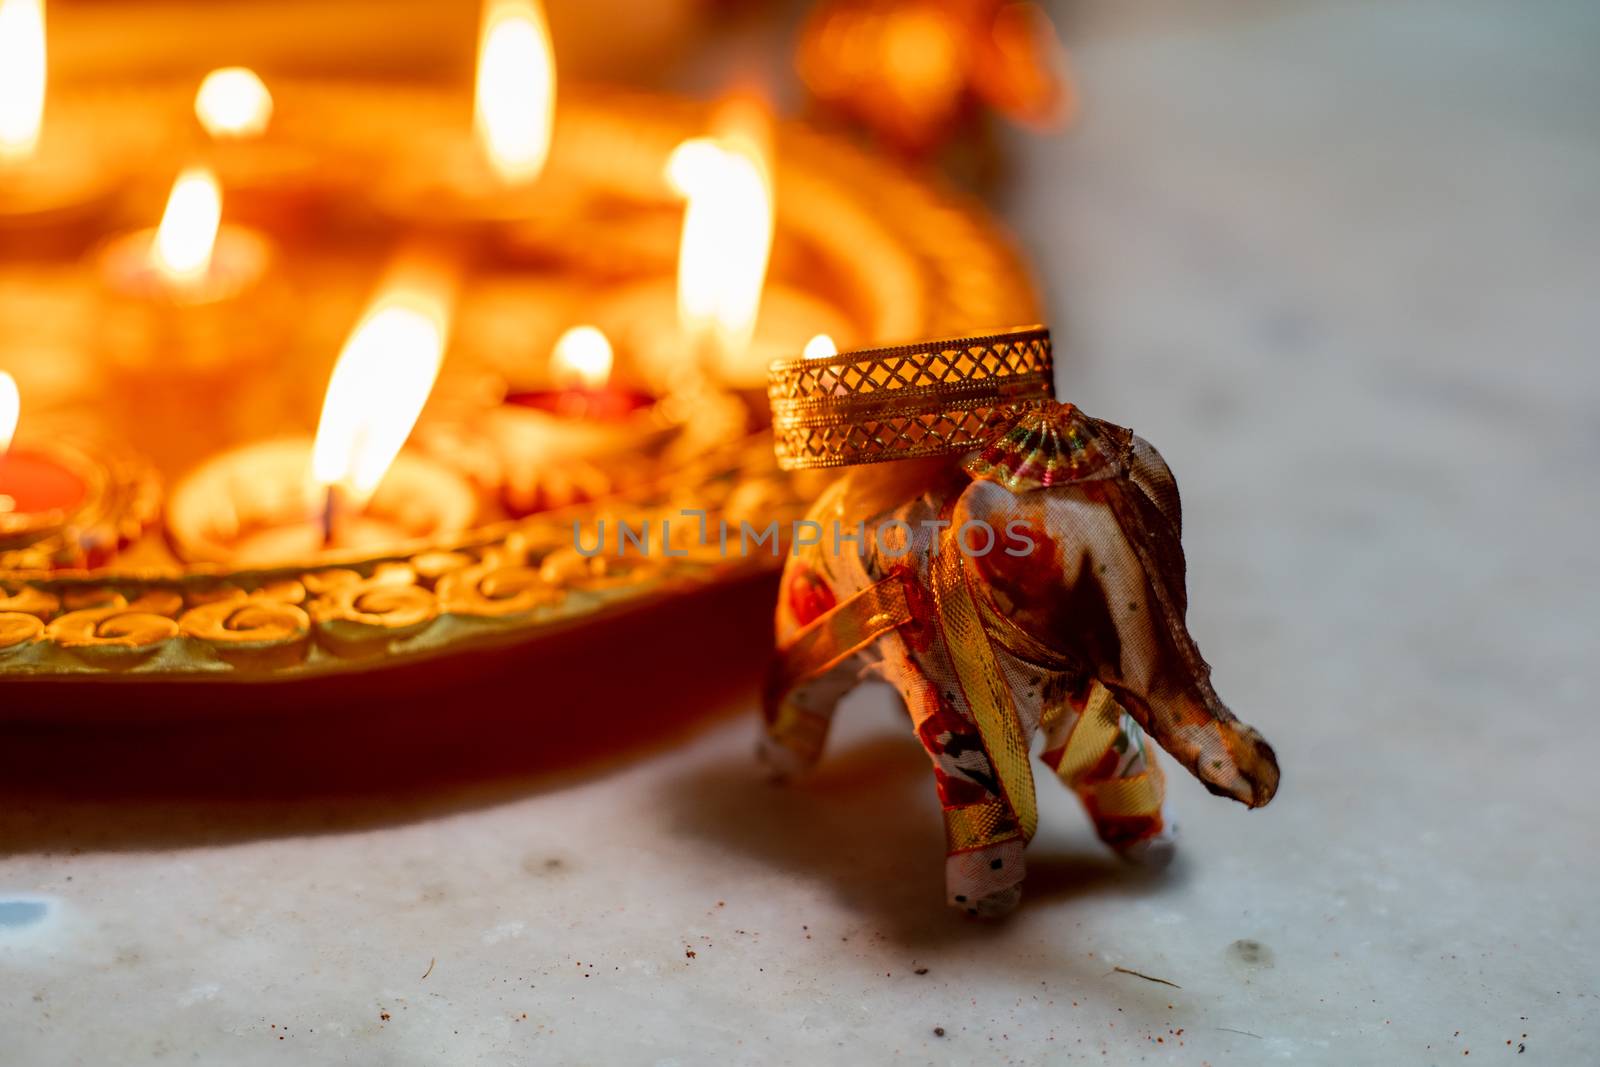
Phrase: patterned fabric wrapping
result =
(1081, 636)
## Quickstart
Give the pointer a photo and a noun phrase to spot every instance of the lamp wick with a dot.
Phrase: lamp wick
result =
(330, 516)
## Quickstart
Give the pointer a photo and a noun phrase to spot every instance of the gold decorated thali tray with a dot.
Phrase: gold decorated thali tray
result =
(166, 570)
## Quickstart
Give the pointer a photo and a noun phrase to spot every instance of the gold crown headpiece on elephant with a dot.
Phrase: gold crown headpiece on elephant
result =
(1010, 565)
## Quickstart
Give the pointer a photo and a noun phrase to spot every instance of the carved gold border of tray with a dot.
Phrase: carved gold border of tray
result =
(505, 583)
(516, 581)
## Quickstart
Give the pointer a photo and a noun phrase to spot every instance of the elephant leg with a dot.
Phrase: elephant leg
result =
(984, 867)
(983, 878)
(1099, 752)
(798, 717)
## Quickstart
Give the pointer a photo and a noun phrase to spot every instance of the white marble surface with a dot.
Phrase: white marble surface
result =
(1340, 262)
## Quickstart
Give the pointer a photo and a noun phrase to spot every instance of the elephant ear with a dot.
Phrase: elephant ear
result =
(1154, 478)
(1151, 517)
(1052, 445)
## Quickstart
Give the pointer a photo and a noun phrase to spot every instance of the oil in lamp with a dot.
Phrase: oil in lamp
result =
(61, 503)
(578, 437)
(582, 386)
(37, 490)
(351, 490)
(53, 181)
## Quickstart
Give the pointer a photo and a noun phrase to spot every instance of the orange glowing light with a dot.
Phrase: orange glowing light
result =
(10, 410)
(820, 347)
(182, 249)
(727, 237)
(923, 50)
(515, 99)
(233, 102)
(22, 77)
(377, 390)
(581, 358)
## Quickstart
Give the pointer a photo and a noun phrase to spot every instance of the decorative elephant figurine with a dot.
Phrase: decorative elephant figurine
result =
(1035, 584)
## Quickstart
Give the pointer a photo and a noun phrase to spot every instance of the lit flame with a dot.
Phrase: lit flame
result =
(22, 76)
(10, 409)
(582, 358)
(820, 347)
(514, 107)
(233, 102)
(188, 232)
(377, 390)
(727, 237)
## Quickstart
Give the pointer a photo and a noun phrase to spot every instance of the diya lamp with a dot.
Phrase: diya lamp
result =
(720, 317)
(580, 435)
(38, 490)
(504, 179)
(189, 310)
(191, 259)
(352, 490)
(64, 504)
(581, 387)
(452, 178)
(53, 179)
(270, 180)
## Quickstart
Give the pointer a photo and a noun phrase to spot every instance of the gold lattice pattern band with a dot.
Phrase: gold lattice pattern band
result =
(926, 399)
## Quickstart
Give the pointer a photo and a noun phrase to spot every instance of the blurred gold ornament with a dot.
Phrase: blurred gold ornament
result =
(931, 398)
(913, 71)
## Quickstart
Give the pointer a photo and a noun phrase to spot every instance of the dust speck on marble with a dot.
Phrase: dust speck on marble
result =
(1250, 953)
(543, 866)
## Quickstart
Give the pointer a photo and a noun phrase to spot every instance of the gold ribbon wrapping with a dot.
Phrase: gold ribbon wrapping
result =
(1135, 796)
(862, 618)
(978, 672)
(843, 629)
(1091, 735)
(974, 826)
